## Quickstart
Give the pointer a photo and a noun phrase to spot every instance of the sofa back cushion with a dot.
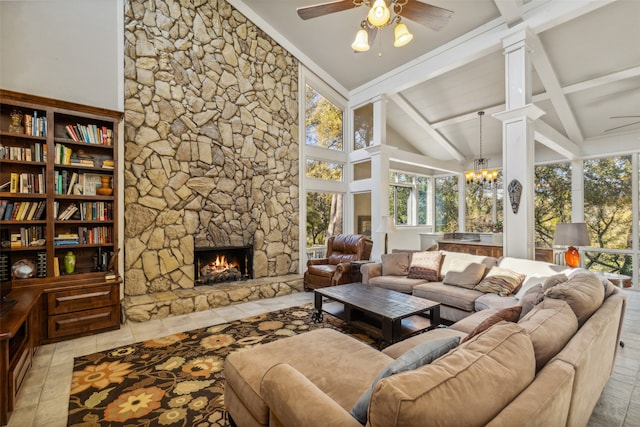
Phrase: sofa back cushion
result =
(395, 264)
(550, 324)
(425, 265)
(466, 277)
(471, 384)
(348, 247)
(584, 292)
(535, 271)
(458, 261)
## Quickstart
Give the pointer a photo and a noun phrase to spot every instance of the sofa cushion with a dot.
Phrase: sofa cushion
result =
(494, 302)
(511, 314)
(396, 283)
(550, 324)
(425, 265)
(584, 292)
(398, 349)
(396, 264)
(458, 261)
(420, 355)
(470, 322)
(556, 279)
(531, 298)
(453, 296)
(476, 380)
(465, 276)
(535, 271)
(500, 281)
(324, 270)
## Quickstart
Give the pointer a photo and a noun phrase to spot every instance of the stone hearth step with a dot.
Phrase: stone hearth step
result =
(158, 305)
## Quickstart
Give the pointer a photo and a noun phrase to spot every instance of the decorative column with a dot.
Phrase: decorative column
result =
(518, 125)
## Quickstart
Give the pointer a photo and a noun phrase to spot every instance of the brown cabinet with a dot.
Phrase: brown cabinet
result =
(541, 254)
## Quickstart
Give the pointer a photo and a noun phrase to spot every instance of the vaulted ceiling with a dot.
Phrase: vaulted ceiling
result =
(586, 76)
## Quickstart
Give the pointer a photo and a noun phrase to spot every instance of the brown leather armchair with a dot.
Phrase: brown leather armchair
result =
(335, 269)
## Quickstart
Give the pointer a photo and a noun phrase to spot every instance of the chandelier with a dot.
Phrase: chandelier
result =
(481, 173)
(379, 16)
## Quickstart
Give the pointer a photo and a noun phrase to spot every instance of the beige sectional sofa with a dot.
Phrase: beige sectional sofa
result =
(546, 369)
(458, 275)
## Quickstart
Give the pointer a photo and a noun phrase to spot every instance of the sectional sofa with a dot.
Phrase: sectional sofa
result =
(457, 276)
(547, 365)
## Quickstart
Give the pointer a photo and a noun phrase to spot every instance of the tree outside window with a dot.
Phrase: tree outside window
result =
(552, 201)
(323, 121)
(408, 198)
(446, 188)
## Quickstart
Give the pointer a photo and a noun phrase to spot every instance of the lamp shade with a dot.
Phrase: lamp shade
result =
(402, 35)
(361, 43)
(379, 14)
(572, 234)
(387, 225)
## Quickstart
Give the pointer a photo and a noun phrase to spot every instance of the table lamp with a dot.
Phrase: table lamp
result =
(571, 235)
(386, 226)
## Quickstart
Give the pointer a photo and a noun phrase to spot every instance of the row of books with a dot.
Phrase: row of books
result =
(22, 211)
(26, 236)
(33, 183)
(91, 134)
(96, 211)
(36, 154)
(95, 235)
(63, 181)
(63, 239)
(66, 213)
(34, 125)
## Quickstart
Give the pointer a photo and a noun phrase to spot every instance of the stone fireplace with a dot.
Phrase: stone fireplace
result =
(222, 264)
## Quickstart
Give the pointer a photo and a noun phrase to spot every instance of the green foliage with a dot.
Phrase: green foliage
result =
(324, 217)
(446, 204)
(552, 202)
(363, 127)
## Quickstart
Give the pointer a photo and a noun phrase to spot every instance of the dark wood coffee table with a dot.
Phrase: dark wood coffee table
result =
(389, 315)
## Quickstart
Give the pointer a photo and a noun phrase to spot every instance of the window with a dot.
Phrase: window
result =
(446, 188)
(324, 217)
(552, 202)
(323, 121)
(363, 127)
(324, 170)
(484, 206)
(408, 198)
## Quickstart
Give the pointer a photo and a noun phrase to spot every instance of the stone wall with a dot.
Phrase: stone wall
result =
(211, 149)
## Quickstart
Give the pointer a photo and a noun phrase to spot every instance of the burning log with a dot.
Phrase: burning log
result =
(219, 271)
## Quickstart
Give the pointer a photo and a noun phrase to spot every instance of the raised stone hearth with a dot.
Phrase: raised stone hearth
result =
(158, 305)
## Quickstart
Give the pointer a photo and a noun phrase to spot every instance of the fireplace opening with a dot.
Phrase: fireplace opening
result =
(223, 264)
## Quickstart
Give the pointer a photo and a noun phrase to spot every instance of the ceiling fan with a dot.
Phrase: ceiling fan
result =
(430, 16)
(623, 126)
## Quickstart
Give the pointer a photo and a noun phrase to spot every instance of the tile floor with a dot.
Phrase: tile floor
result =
(44, 397)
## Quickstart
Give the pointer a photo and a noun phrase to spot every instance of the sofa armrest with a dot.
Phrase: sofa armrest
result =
(295, 401)
(317, 261)
(373, 269)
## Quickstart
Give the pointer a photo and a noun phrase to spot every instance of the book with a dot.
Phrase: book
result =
(72, 182)
(32, 211)
(8, 213)
(20, 213)
(3, 207)
(16, 208)
(56, 267)
(5, 186)
(13, 183)
(40, 211)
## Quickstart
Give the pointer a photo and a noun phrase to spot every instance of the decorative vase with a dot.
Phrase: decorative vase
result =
(106, 189)
(69, 262)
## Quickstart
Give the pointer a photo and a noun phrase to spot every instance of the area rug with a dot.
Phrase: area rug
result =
(177, 379)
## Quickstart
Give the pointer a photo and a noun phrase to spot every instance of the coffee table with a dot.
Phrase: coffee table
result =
(389, 315)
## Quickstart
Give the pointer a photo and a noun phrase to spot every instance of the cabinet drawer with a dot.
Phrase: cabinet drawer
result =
(84, 322)
(17, 375)
(61, 302)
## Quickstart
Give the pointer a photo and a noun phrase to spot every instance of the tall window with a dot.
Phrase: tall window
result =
(363, 127)
(323, 121)
(408, 198)
(552, 201)
(324, 161)
(608, 212)
(446, 203)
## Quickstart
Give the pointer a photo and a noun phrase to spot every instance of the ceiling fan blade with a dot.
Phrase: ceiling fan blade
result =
(428, 15)
(623, 117)
(623, 126)
(309, 12)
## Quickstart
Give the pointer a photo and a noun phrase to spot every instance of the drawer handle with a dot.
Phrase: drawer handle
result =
(91, 295)
(80, 319)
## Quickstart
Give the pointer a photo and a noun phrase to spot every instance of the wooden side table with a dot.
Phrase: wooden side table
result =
(620, 280)
(354, 270)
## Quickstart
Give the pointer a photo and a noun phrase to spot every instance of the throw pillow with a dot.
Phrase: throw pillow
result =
(532, 297)
(500, 281)
(556, 279)
(584, 293)
(425, 265)
(396, 264)
(466, 278)
(510, 314)
(419, 355)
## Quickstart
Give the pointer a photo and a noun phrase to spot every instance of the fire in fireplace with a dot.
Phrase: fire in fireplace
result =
(223, 264)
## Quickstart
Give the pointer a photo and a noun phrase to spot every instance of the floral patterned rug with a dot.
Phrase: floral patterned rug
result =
(177, 379)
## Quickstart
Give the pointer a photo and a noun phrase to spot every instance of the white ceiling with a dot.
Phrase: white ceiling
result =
(586, 58)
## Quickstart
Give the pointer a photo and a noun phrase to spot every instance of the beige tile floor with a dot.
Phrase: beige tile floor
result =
(44, 397)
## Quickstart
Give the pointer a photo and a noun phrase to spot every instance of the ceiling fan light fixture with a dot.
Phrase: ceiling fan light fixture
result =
(361, 42)
(379, 14)
(402, 35)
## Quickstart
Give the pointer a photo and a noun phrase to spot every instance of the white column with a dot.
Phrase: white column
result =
(462, 201)
(518, 125)
(577, 191)
(379, 174)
